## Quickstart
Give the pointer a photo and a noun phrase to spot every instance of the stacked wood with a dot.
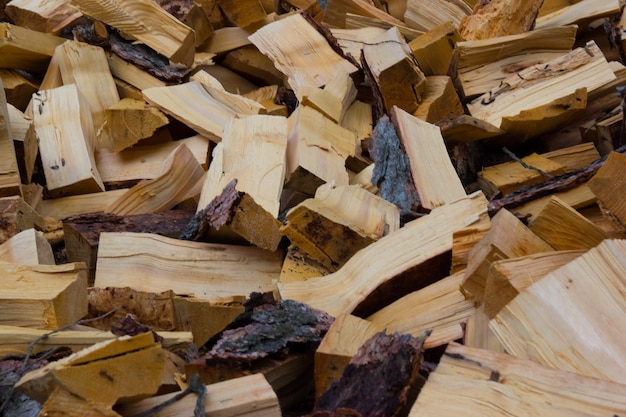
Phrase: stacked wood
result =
(282, 181)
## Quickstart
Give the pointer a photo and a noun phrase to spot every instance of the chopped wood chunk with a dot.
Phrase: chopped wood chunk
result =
(608, 185)
(499, 18)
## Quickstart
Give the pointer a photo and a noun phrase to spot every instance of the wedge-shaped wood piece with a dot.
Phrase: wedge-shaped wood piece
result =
(580, 13)
(572, 316)
(434, 176)
(253, 151)
(466, 128)
(395, 72)
(358, 119)
(17, 215)
(425, 15)
(577, 197)
(132, 74)
(192, 14)
(242, 13)
(62, 207)
(462, 243)
(87, 67)
(297, 266)
(439, 100)
(440, 307)
(26, 49)
(130, 120)
(412, 245)
(201, 107)
(60, 400)
(316, 151)
(499, 18)
(299, 51)
(507, 238)
(510, 176)
(129, 368)
(251, 63)
(334, 99)
(225, 39)
(42, 16)
(42, 296)
(248, 396)
(433, 50)
(574, 230)
(584, 67)
(64, 126)
(479, 65)
(574, 157)
(608, 185)
(146, 161)
(145, 21)
(17, 88)
(509, 277)
(235, 101)
(338, 222)
(496, 384)
(181, 171)
(10, 183)
(352, 41)
(28, 247)
(148, 262)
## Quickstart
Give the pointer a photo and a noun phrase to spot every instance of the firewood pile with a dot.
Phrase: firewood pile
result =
(303, 208)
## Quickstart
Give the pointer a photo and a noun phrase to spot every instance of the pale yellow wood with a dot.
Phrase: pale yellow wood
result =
(338, 222)
(49, 16)
(574, 157)
(333, 100)
(478, 334)
(352, 41)
(226, 39)
(180, 173)
(355, 21)
(440, 100)
(537, 85)
(462, 243)
(572, 317)
(425, 15)
(336, 11)
(495, 384)
(358, 118)
(507, 238)
(146, 161)
(480, 65)
(26, 49)
(197, 106)
(433, 50)
(130, 120)
(10, 183)
(510, 176)
(62, 207)
(435, 178)
(564, 228)
(28, 247)
(500, 18)
(509, 277)
(19, 123)
(154, 263)
(465, 128)
(248, 396)
(236, 102)
(42, 296)
(98, 373)
(397, 252)
(253, 152)
(299, 51)
(395, 72)
(436, 307)
(608, 185)
(145, 21)
(577, 197)
(132, 74)
(251, 63)
(63, 123)
(61, 401)
(578, 13)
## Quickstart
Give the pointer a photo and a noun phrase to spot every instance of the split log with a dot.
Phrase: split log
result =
(425, 15)
(28, 247)
(181, 172)
(42, 16)
(224, 40)
(499, 18)
(9, 172)
(129, 120)
(465, 128)
(462, 243)
(234, 101)
(580, 13)
(63, 207)
(129, 368)
(82, 232)
(146, 22)
(42, 296)
(336, 13)
(297, 266)
(433, 50)
(607, 185)
(439, 100)
(299, 58)
(338, 223)
(148, 262)
(415, 243)
(64, 126)
(26, 49)
(16, 216)
(479, 65)
(333, 100)
(132, 74)
(358, 119)
(247, 396)
(573, 157)
(496, 383)
(435, 179)
(191, 14)
(507, 238)
(509, 277)
(244, 13)
(395, 73)
(17, 88)
(574, 230)
(572, 316)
